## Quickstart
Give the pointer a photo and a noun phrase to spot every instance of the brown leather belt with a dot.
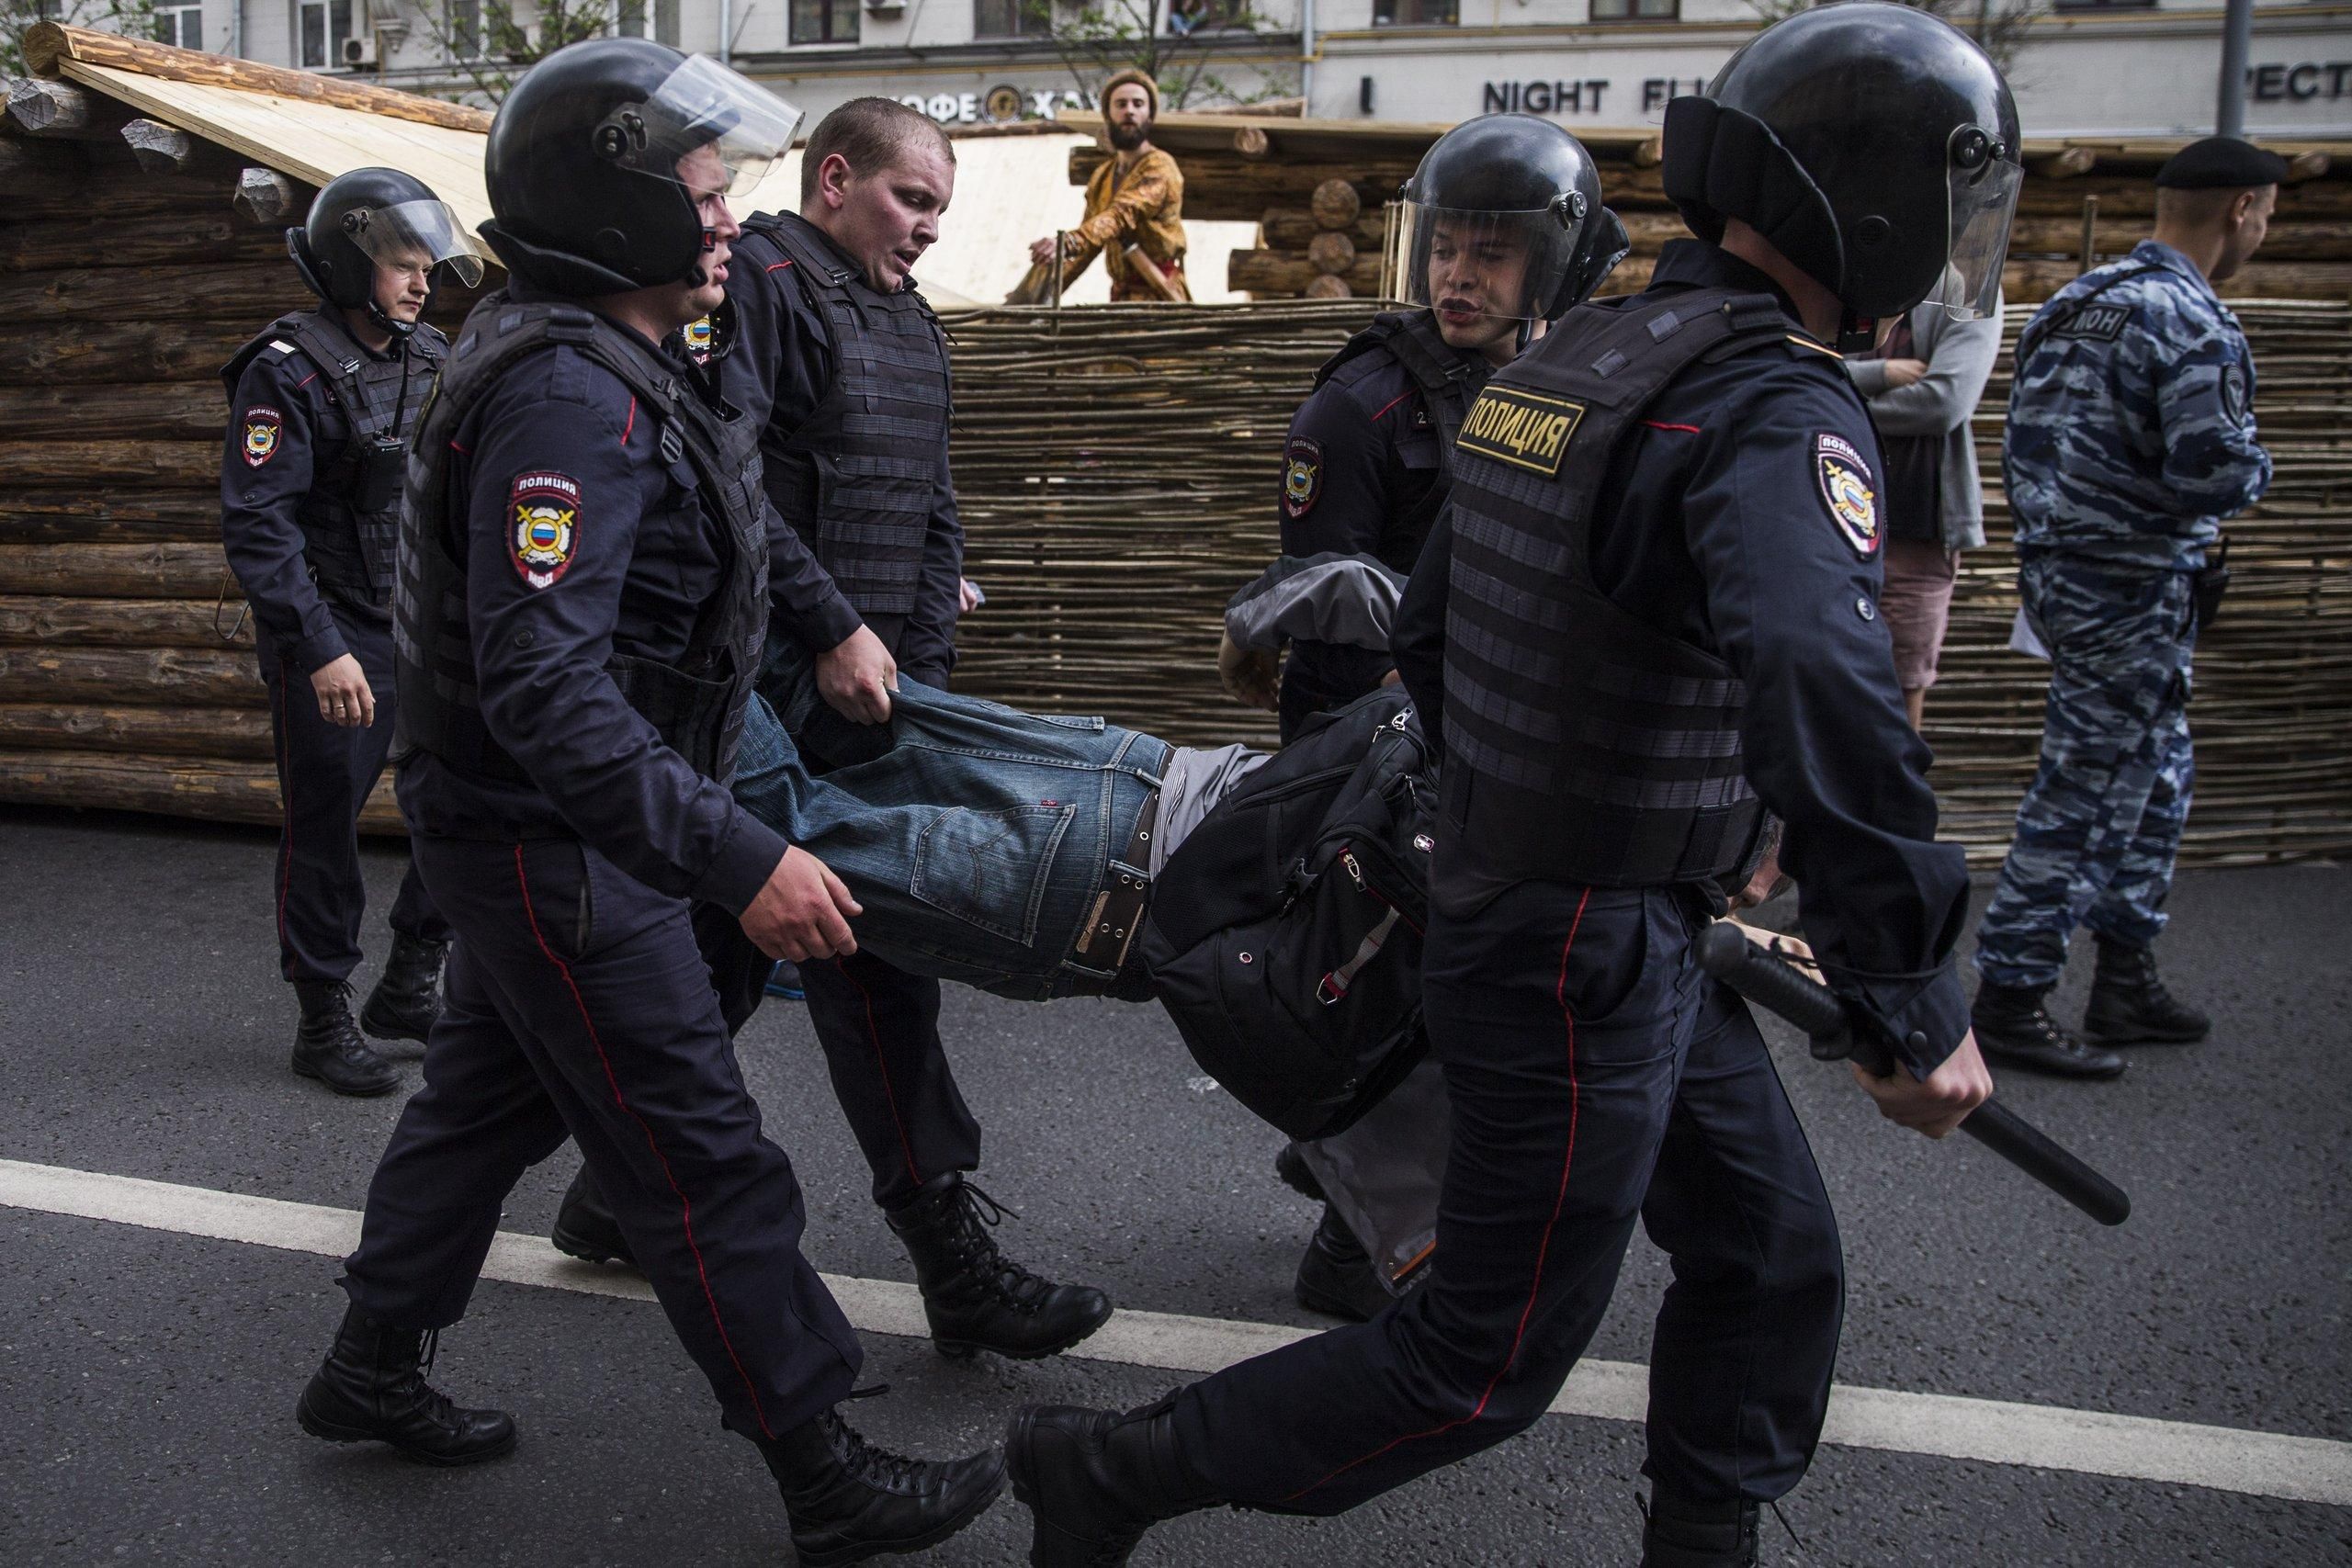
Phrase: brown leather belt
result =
(1118, 908)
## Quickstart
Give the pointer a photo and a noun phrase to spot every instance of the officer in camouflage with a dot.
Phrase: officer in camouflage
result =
(325, 402)
(2130, 436)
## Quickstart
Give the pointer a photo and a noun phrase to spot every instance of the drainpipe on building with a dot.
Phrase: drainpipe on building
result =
(727, 32)
(1307, 54)
(2237, 43)
(236, 30)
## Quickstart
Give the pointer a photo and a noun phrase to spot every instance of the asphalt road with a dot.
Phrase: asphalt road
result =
(147, 1378)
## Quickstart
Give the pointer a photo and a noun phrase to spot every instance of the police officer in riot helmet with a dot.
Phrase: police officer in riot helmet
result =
(1647, 618)
(583, 599)
(324, 404)
(1506, 232)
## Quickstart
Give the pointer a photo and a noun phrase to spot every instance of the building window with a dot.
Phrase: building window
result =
(1416, 13)
(1636, 10)
(665, 22)
(1011, 18)
(1185, 16)
(180, 26)
(824, 21)
(322, 26)
(465, 29)
(629, 19)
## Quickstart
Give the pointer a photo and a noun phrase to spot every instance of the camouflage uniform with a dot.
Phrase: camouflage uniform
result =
(2130, 436)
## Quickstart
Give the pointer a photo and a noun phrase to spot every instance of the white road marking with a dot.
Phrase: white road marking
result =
(2131, 1448)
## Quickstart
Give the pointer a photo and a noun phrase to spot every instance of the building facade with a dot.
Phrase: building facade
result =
(2082, 67)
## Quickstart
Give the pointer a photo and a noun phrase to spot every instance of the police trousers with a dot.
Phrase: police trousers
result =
(577, 1005)
(2099, 827)
(324, 774)
(1594, 1075)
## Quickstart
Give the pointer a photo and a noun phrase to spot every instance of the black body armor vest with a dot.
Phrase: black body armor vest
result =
(696, 703)
(351, 518)
(857, 478)
(1448, 382)
(1581, 744)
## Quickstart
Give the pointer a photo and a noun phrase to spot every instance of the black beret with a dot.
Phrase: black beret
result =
(2221, 162)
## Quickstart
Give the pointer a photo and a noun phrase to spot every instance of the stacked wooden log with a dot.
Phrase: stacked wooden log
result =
(134, 261)
(2309, 255)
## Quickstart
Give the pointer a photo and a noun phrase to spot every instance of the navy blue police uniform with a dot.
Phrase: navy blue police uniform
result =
(1364, 472)
(309, 516)
(582, 595)
(849, 388)
(1648, 612)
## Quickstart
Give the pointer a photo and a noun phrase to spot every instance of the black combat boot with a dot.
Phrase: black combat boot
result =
(584, 1228)
(407, 997)
(974, 1296)
(1335, 1274)
(2129, 1004)
(1293, 1172)
(850, 1500)
(1683, 1532)
(2015, 1030)
(1094, 1480)
(371, 1388)
(328, 1047)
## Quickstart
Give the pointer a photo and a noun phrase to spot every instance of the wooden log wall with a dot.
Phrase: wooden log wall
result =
(2308, 255)
(127, 277)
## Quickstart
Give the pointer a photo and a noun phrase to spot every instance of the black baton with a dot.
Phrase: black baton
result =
(1772, 983)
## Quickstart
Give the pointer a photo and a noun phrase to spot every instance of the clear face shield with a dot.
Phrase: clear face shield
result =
(701, 103)
(1504, 267)
(1984, 179)
(414, 233)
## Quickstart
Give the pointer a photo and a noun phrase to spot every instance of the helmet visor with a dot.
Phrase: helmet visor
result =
(1985, 178)
(701, 103)
(1465, 263)
(419, 233)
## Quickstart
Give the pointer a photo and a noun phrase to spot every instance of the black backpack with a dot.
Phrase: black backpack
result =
(1284, 936)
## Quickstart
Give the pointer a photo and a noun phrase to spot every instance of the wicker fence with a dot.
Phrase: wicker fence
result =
(1118, 472)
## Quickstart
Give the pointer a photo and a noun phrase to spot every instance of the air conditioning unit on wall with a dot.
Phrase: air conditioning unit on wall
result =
(360, 53)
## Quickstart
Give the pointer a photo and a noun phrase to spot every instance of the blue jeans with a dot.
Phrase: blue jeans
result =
(977, 838)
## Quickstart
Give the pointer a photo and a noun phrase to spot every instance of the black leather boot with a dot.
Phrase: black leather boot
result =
(1683, 1532)
(850, 1500)
(407, 997)
(371, 1388)
(328, 1047)
(2015, 1030)
(1094, 1480)
(974, 1296)
(1293, 1172)
(1336, 1276)
(584, 1228)
(2129, 1004)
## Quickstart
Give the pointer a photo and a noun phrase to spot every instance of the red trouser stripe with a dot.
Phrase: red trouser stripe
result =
(882, 1065)
(285, 806)
(686, 1208)
(1543, 1251)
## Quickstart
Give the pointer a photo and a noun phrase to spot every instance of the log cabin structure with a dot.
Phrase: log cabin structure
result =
(1318, 189)
(1117, 467)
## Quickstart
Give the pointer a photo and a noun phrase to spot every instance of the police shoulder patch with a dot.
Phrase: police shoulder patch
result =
(1848, 490)
(543, 524)
(264, 425)
(1526, 430)
(2233, 398)
(1302, 475)
(698, 336)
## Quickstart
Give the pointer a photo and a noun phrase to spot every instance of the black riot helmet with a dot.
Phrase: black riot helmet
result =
(582, 162)
(1873, 145)
(1509, 181)
(378, 215)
